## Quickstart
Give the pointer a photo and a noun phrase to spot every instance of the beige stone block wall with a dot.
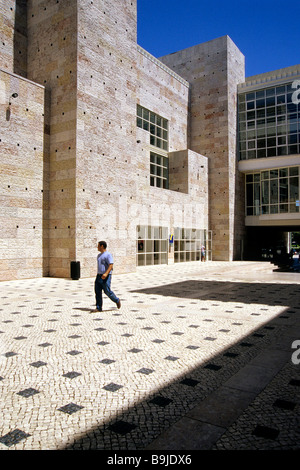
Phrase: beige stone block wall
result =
(13, 36)
(214, 69)
(166, 94)
(185, 204)
(95, 175)
(21, 178)
(106, 132)
(52, 62)
(7, 21)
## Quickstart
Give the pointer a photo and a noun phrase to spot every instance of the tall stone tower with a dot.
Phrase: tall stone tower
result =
(214, 69)
(84, 53)
(21, 151)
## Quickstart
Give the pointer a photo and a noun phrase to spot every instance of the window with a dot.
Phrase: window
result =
(273, 191)
(156, 125)
(159, 171)
(188, 243)
(152, 245)
(269, 123)
(253, 194)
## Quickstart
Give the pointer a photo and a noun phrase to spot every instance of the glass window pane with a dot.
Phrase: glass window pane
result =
(270, 91)
(249, 195)
(273, 173)
(265, 192)
(141, 260)
(274, 192)
(283, 172)
(139, 111)
(260, 94)
(141, 246)
(282, 151)
(260, 103)
(283, 190)
(270, 101)
(294, 189)
(261, 153)
(260, 113)
(294, 171)
(271, 142)
(271, 152)
(281, 140)
(280, 99)
(145, 114)
(141, 231)
(250, 96)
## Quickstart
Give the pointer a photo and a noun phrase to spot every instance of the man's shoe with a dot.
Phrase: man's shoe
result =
(119, 304)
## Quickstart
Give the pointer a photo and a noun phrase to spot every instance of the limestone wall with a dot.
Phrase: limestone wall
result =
(21, 178)
(52, 62)
(214, 69)
(93, 167)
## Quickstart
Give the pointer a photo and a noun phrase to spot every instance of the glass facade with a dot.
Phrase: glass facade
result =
(273, 191)
(188, 243)
(152, 245)
(159, 171)
(269, 123)
(156, 125)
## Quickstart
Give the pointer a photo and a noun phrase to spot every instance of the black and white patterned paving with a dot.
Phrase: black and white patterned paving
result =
(181, 349)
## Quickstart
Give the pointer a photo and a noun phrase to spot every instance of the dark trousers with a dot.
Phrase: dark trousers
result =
(104, 285)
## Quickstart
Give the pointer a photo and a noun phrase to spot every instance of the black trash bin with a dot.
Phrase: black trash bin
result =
(75, 270)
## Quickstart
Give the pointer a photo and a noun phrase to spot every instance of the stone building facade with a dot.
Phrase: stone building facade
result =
(101, 140)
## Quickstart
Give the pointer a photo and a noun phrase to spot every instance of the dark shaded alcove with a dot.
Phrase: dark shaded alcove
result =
(20, 38)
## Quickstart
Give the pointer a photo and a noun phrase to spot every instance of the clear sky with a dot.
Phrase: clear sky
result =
(267, 32)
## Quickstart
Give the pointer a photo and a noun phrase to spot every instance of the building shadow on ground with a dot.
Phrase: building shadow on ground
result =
(136, 427)
(224, 291)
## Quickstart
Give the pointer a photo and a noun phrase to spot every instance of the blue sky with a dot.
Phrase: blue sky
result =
(267, 32)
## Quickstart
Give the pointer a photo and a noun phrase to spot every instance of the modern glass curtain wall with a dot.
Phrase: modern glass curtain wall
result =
(269, 123)
(153, 244)
(273, 191)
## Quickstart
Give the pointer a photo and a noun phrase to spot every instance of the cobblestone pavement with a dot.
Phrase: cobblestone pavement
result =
(198, 357)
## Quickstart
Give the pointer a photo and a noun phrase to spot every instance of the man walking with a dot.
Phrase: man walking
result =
(103, 280)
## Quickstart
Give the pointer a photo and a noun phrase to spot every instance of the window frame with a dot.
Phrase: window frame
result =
(156, 125)
(278, 191)
(268, 113)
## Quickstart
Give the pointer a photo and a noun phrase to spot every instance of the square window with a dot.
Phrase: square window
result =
(250, 96)
(270, 101)
(280, 90)
(270, 91)
(260, 94)
(261, 153)
(260, 103)
(281, 99)
(271, 152)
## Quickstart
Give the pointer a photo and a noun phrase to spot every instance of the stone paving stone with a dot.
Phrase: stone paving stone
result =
(68, 374)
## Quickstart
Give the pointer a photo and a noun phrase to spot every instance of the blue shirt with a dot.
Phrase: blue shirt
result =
(103, 261)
